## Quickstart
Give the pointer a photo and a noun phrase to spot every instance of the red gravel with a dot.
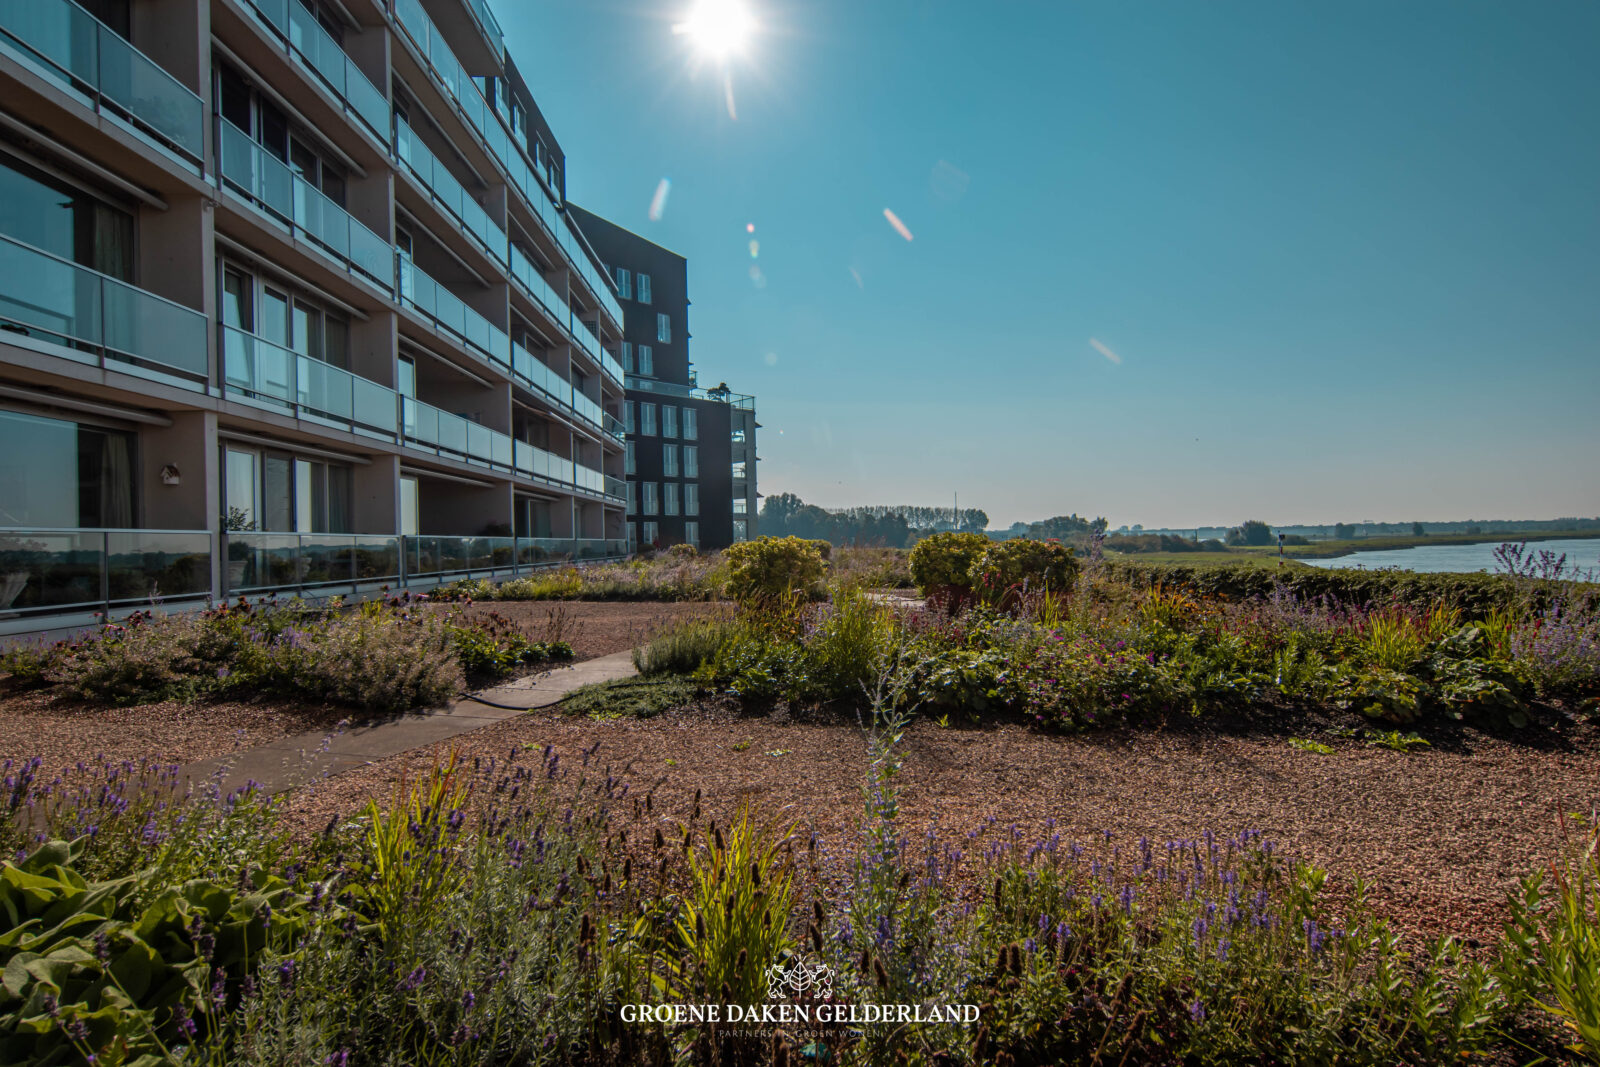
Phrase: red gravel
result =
(1442, 834)
(592, 628)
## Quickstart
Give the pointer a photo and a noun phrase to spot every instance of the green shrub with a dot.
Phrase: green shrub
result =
(771, 568)
(942, 563)
(850, 635)
(491, 646)
(1011, 568)
(681, 648)
(630, 698)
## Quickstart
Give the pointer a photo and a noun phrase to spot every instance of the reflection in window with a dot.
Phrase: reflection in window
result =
(56, 474)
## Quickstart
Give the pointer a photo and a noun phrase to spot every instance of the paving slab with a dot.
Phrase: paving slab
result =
(294, 761)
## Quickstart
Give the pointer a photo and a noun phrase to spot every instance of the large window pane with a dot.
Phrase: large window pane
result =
(240, 472)
(38, 471)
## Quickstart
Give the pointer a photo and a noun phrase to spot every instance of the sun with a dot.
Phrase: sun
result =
(718, 28)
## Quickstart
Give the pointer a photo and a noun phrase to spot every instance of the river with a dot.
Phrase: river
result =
(1583, 553)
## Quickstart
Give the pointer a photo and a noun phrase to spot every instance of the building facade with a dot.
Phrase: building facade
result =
(290, 299)
(690, 461)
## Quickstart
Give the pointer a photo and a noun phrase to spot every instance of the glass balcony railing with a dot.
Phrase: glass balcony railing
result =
(613, 426)
(449, 312)
(532, 370)
(313, 46)
(264, 371)
(257, 562)
(491, 128)
(56, 570)
(448, 192)
(428, 555)
(535, 462)
(451, 435)
(85, 55)
(47, 297)
(269, 182)
(616, 487)
(587, 408)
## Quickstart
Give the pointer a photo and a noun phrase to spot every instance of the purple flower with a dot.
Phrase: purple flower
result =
(1197, 1011)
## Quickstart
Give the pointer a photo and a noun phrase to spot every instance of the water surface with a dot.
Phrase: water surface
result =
(1581, 552)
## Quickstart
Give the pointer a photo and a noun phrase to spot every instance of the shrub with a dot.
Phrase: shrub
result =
(771, 568)
(683, 550)
(1012, 568)
(630, 698)
(491, 646)
(941, 564)
(681, 648)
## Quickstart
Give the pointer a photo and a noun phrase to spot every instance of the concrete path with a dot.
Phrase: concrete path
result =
(292, 761)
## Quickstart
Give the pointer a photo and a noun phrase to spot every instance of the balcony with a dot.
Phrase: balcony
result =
(535, 462)
(306, 387)
(269, 184)
(448, 192)
(454, 437)
(259, 562)
(306, 40)
(44, 571)
(499, 142)
(738, 401)
(614, 426)
(447, 311)
(84, 56)
(536, 375)
(48, 298)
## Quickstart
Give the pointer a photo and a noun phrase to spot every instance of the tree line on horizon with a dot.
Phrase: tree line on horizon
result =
(886, 525)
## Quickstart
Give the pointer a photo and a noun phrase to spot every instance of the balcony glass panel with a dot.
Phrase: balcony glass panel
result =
(42, 569)
(449, 192)
(80, 51)
(313, 44)
(69, 304)
(265, 371)
(271, 184)
(586, 407)
(534, 371)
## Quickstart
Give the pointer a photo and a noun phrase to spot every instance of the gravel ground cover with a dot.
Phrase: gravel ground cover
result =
(64, 732)
(1441, 834)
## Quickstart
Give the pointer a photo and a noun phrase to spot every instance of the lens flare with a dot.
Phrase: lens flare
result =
(658, 202)
(899, 227)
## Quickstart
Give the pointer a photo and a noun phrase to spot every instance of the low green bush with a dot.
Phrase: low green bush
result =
(941, 564)
(1009, 570)
(630, 698)
(772, 568)
(492, 646)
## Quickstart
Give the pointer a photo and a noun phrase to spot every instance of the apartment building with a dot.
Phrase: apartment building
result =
(690, 461)
(290, 300)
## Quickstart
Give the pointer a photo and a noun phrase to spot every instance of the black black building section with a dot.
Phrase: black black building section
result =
(691, 452)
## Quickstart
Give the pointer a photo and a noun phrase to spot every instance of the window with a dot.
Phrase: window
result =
(691, 498)
(691, 458)
(691, 530)
(274, 491)
(269, 311)
(627, 357)
(740, 530)
(669, 421)
(633, 489)
(644, 288)
(669, 461)
(624, 284)
(691, 424)
(66, 221)
(652, 533)
(650, 491)
(410, 507)
(630, 459)
(737, 437)
(741, 506)
(669, 498)
(64, 475)
(738, 469)
(647, 363)
(664, 328)
(628, 422)
(647, 423)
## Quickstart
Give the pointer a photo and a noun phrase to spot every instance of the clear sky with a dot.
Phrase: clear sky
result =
(1174, 263)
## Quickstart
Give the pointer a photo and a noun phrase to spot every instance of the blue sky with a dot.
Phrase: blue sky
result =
(1347, 253)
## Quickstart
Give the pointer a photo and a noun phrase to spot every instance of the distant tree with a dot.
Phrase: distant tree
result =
(778, 511)
(1344, 532)
(974, 520)
(1417, 530)
(1252, 532)
(1473, 529)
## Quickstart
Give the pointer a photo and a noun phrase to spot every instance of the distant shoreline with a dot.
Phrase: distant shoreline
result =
(1335, 549)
